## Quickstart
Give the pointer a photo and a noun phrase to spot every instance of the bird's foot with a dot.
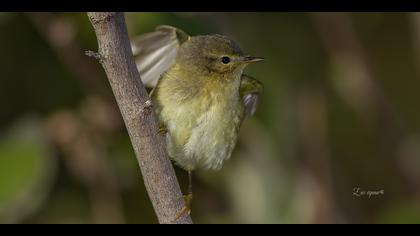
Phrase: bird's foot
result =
(162, 129)
(186, 209)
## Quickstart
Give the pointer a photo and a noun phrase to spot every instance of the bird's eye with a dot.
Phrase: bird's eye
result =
(225, 60)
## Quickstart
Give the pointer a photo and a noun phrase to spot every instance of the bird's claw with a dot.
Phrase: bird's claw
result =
(186, 209)
(162, 129)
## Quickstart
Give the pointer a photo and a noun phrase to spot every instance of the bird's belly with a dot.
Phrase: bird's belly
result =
(212, 139)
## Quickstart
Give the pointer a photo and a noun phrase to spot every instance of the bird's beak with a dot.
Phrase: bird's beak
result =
(250, 59)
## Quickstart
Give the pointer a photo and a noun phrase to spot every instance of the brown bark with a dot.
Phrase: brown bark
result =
(136, 108)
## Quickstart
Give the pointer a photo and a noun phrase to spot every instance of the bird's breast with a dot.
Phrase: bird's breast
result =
(202, 122)
(214, 136)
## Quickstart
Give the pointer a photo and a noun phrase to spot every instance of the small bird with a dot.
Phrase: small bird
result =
(200, 94)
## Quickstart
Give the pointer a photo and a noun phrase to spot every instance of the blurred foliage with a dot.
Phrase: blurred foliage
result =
(340, 111)
(27, 170)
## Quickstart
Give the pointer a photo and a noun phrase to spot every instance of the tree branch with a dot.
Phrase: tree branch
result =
(136, 109)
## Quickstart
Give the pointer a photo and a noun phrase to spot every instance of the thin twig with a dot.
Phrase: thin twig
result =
(93, 54)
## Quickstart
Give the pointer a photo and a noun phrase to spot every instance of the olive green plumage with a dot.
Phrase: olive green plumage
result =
(201, 95)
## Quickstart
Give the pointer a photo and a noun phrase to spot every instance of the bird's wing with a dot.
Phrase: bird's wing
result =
(250, 91)
(156, 51)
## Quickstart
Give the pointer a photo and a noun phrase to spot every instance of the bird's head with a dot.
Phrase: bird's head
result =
(213, 54)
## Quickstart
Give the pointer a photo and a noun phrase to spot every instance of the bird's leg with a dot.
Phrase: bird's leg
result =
(189, 196)
(186, 209)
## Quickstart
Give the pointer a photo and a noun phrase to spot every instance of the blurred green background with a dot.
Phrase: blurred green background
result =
(339, 117)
